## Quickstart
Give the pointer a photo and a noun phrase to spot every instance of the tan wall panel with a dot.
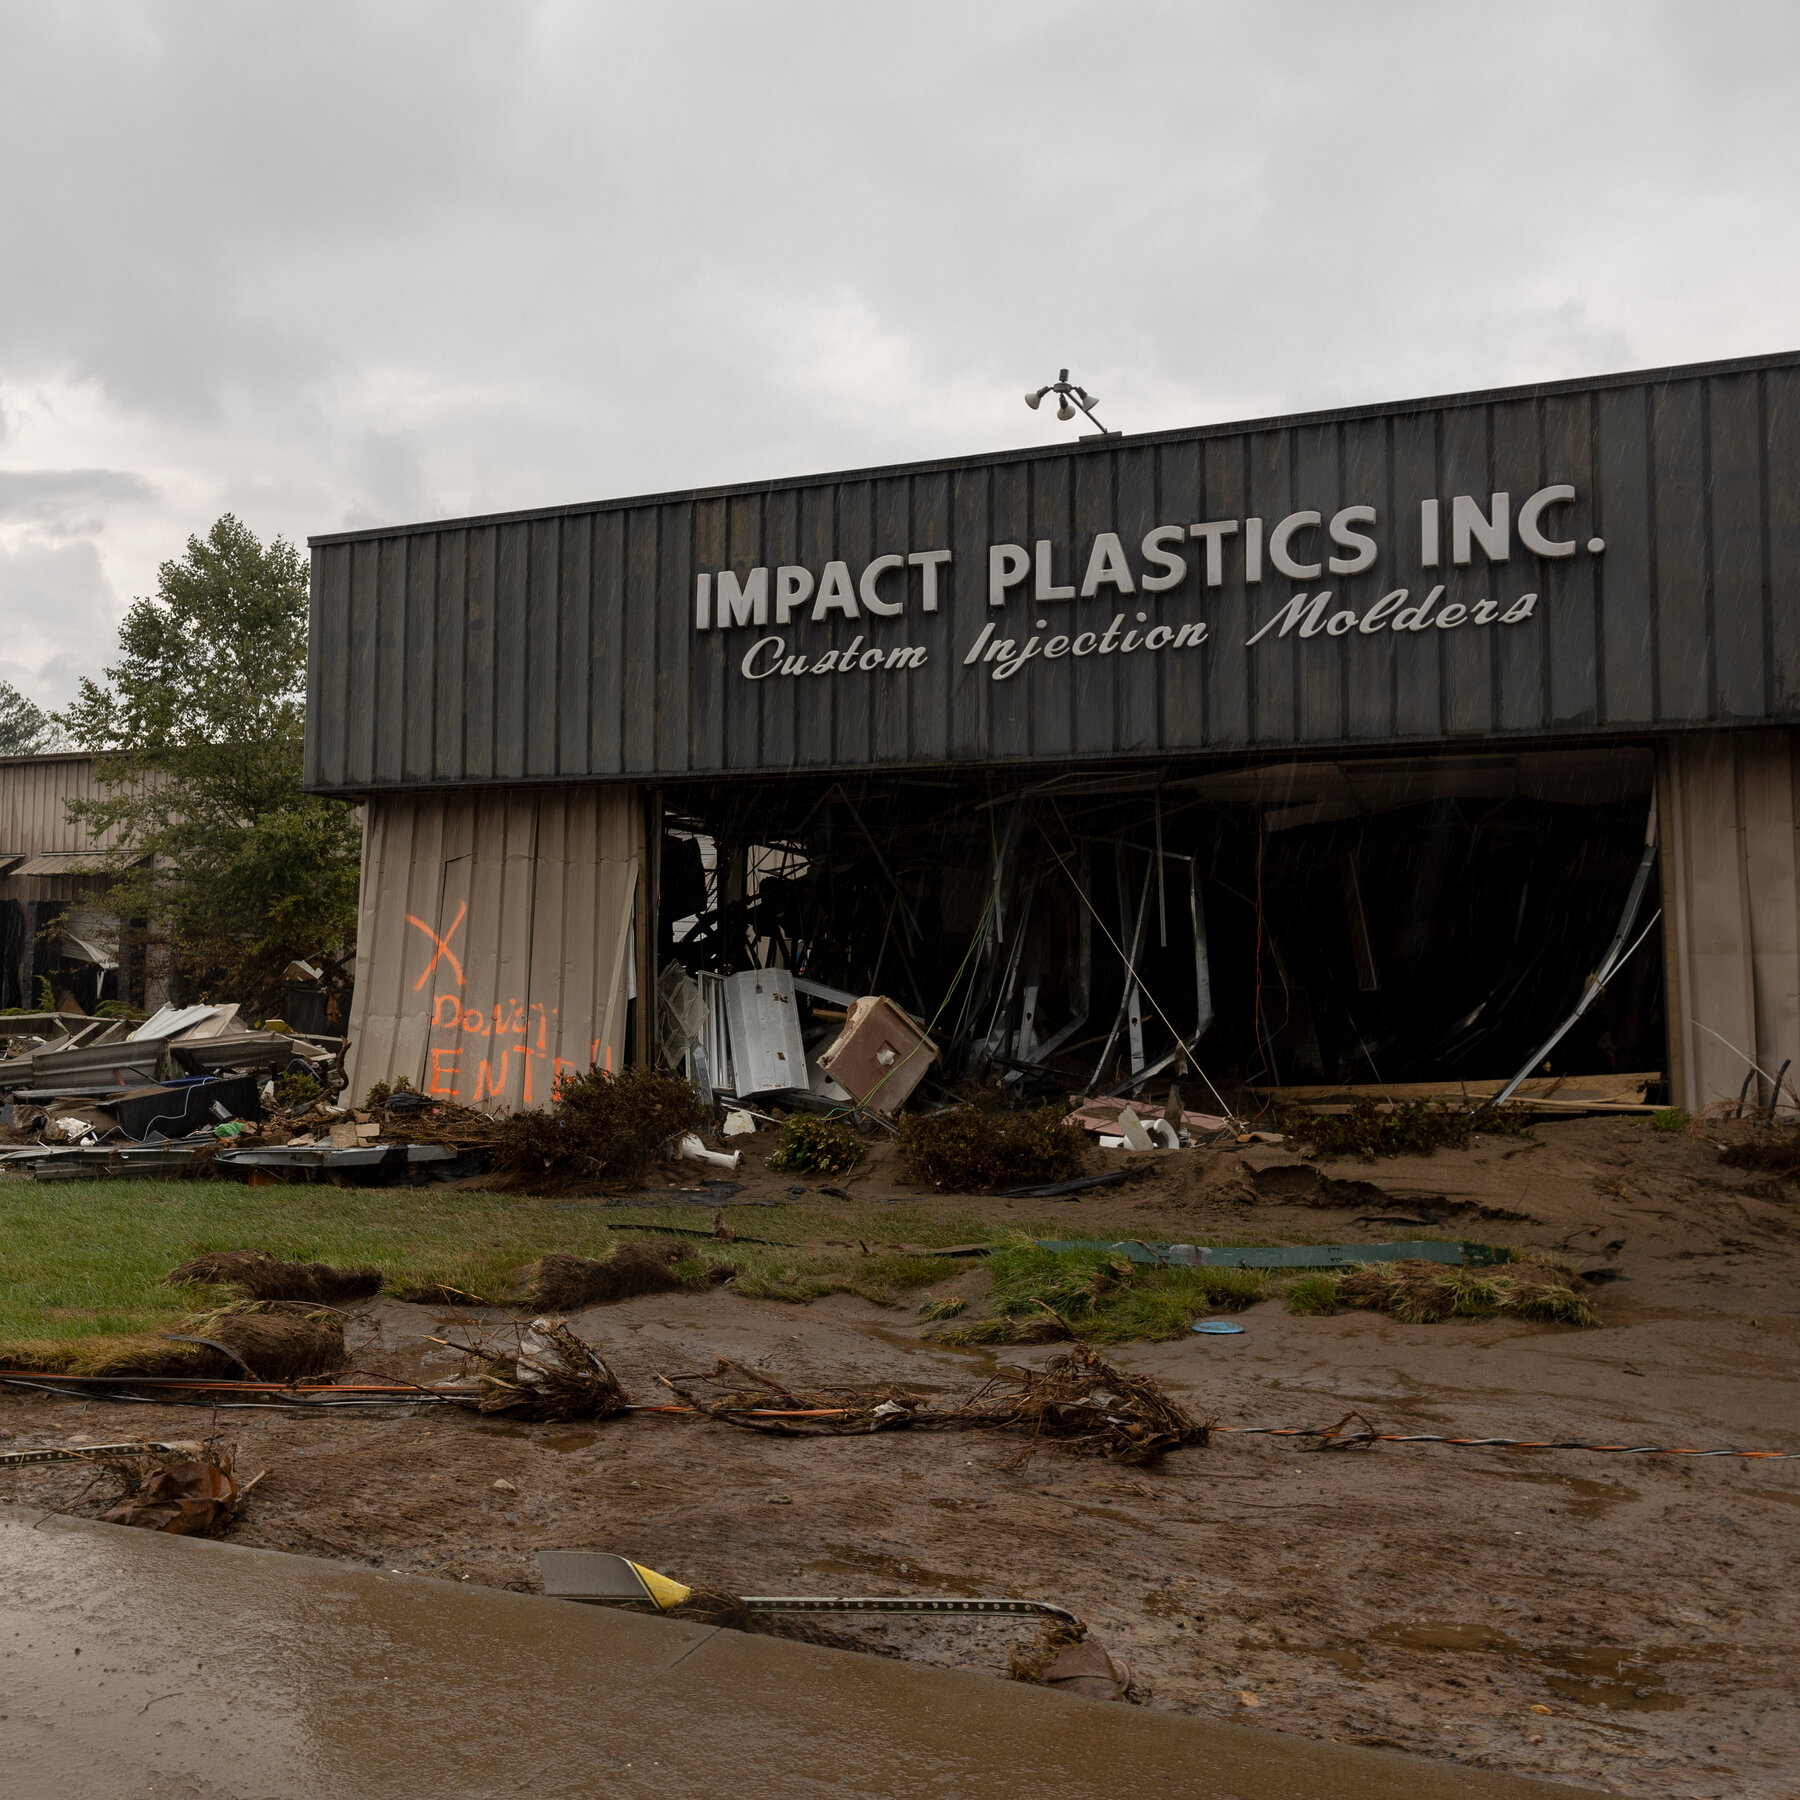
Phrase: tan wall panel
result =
(492, 940)
(34, 792)
(1732, 887)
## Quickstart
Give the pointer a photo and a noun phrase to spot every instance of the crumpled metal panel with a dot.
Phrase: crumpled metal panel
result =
(494, 941)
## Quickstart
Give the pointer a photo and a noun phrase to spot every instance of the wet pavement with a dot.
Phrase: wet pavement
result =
(135, 1665)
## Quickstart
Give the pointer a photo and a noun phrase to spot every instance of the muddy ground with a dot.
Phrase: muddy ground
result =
(1621, 1622)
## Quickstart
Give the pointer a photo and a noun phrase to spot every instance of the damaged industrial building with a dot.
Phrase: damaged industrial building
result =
(1447, 741)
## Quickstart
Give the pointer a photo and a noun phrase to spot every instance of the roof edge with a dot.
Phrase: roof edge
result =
(1739, 365)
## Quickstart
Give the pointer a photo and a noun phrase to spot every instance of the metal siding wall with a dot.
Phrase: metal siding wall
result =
(33, 795)
(562, 647)
(1731, 897)
(531, 892)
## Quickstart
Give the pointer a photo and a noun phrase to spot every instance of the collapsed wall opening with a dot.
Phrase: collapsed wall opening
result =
(1352, 921)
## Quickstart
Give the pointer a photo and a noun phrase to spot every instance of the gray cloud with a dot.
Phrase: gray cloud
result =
(68, 502)
(330, 264)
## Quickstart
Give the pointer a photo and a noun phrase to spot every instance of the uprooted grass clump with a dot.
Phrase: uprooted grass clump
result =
(811, 1145)
(558, 1283)
(1039, 1296)
(1412, 1128)
(249, 1340)
(1425, 1293)
(971, 1150)
(1777, 1155)
(255, 1275)
(601, 1127)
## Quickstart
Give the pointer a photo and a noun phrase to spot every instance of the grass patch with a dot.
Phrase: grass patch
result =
(1416, 1128)
(86, 1258)
(1099, 1296)
(1422, 1293)
(1670, 1118)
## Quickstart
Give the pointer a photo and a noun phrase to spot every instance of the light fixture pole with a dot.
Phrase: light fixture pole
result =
(1069, 398)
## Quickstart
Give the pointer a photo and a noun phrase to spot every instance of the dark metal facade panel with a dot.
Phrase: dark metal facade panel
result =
(563, 645)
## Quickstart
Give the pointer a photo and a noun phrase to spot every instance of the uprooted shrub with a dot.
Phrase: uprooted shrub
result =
(811, 1145)
(547, 1373)
(601, 1127)
(1039, 1296)
(971, 1150)
(1412, 1128)
(1425, 1293)
(559, 1284)
(255, 1275)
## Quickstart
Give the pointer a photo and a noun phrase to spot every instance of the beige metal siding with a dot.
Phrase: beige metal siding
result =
(493, 940)
(34, 791)
(1731, 899)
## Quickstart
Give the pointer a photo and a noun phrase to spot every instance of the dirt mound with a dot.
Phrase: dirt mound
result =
(258, 1276)
(560, 1284)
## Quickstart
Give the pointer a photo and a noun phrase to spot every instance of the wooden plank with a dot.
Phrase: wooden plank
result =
(1569, 1089)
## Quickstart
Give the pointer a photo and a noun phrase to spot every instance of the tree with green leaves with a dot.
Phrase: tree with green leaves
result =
(198, 734)
(25, 728)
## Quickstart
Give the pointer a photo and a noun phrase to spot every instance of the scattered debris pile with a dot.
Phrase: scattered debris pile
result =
(1077, 1402)
(757, 1401)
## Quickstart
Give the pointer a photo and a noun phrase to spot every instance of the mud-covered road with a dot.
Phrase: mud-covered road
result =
(1628, 1622)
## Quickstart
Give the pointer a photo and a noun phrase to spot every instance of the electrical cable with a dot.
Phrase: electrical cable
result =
(1332, 1435)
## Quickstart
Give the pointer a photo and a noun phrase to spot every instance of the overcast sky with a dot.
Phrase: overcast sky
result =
(327, 265)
